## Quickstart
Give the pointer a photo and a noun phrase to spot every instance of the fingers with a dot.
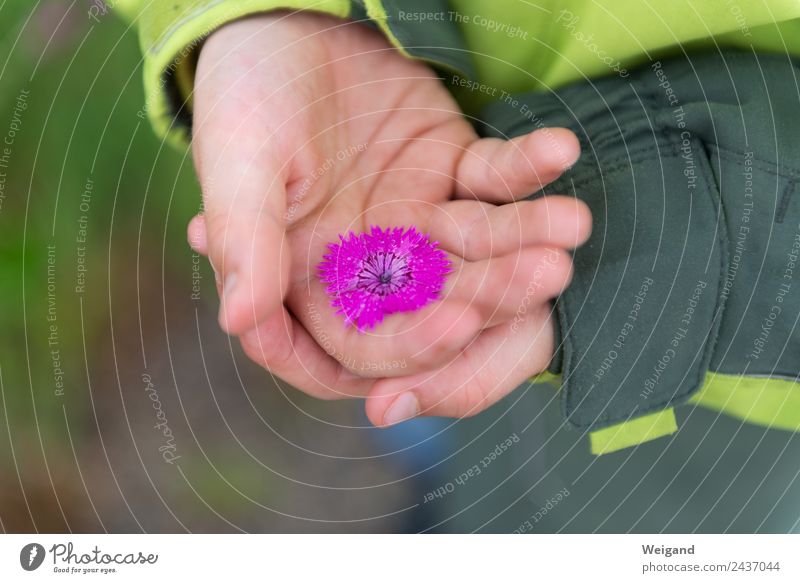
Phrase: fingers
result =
(282, 346)
(497, 170)
(402, 344)
(476, 230)
(477, 295)
(499, 360)
(498, 288)
(244, 200)
(420, 340)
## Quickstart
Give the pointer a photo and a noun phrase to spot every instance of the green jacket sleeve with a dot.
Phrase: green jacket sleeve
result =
(171, 33)
(689, 287)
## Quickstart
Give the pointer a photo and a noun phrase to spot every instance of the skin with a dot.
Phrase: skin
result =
(305, 127)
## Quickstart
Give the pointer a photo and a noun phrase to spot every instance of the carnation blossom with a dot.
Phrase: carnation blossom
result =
(382, 272)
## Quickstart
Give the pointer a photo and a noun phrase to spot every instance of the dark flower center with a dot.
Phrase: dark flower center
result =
(384, 273)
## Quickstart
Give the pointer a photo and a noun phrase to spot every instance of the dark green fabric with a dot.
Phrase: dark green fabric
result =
(715, 475)
(677, 158)
(426, 30)
(358, 12)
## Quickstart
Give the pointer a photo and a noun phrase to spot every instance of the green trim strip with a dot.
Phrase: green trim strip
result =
(377, 12)
(634, 432)
(770, 402)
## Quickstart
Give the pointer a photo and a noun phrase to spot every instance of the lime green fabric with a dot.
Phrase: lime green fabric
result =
(560, 42)
(634, 432)
(771, 402)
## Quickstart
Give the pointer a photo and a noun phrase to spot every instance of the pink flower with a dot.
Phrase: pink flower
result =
(379, 273)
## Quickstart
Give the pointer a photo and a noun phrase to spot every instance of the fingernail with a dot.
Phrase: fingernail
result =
(230, 284)
(405, 407)
(228, 287)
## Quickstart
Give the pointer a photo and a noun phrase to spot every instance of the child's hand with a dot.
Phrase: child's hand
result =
(306, 127)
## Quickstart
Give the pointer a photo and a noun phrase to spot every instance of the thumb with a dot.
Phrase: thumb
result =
(496, 170)
(244, 201)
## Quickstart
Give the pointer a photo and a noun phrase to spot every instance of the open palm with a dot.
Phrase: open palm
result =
(307, 127)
